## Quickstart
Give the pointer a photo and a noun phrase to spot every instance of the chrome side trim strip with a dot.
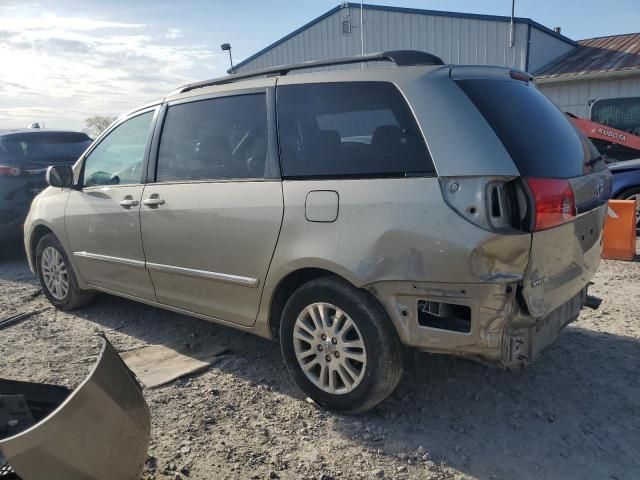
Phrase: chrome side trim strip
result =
(107, 258)
(221, 277)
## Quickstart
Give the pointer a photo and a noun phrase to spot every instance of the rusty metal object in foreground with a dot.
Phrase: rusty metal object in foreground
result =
(100, 431)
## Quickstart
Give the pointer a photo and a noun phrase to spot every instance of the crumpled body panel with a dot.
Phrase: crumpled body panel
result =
(100, 431)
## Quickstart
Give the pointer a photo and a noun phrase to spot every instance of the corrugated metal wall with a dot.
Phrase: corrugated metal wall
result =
(544, 48)
(574, 96)
(455, 39)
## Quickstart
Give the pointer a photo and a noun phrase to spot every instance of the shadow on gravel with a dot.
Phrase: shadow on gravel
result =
(13, 264)
(249, 356)
(582, 396)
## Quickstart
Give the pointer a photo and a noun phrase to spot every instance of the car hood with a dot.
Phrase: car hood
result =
(624, 166)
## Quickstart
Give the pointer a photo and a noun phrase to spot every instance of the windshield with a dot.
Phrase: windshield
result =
(620, 113)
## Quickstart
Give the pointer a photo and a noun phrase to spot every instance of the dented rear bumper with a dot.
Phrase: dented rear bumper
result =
(500, 331)
(100, 430)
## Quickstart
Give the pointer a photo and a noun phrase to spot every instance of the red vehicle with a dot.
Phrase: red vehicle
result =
(614, 127)
(619, 141)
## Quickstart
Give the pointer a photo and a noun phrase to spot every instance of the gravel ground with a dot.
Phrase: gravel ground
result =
(573, 415)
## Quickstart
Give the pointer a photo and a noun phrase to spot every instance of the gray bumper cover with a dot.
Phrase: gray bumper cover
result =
(100, 431)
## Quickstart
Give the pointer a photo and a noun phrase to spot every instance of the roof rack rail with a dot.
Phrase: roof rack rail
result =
(402, 58)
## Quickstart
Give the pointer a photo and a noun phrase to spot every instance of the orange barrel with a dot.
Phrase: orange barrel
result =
(620, 230)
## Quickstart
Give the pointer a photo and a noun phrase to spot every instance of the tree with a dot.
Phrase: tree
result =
(97, 124)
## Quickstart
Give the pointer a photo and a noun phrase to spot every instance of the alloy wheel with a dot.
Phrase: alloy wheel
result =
(54, 272)
(329, 348)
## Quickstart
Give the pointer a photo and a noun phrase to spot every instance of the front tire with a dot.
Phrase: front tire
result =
(339, 346)
(57, 277)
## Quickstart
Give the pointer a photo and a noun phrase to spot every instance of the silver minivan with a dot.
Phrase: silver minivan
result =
(353, 214)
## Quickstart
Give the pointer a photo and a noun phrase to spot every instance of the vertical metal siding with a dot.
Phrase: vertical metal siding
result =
(456, 40)
(574, 96)
(545, 48)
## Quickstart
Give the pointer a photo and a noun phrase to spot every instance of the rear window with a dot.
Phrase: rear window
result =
(355, 129)
(539, 138)
(620, 113)
(50, 146)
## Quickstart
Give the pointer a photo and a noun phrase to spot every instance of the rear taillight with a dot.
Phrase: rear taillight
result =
(554, 203)
(9, 171)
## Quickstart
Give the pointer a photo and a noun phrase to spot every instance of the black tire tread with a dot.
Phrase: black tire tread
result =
(388, 352)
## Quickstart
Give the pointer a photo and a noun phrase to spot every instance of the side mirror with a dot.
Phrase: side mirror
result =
(60, 176)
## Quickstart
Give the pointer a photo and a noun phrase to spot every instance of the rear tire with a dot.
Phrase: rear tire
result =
(56, 276)
(339, 346)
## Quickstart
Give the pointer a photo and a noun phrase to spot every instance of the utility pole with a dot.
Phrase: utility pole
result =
(227, 47)
(512, 30)
(361, 27)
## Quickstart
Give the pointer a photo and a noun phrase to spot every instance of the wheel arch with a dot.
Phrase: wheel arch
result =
(36, 235)
(626, 190)
(295, 279)
(285, 288)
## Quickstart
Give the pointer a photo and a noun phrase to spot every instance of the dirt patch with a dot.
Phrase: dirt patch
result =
(573, 415)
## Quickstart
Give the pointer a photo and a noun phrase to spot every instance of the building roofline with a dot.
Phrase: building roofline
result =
(435, 13)
(599, 75)
(287, 37)
(608, 36)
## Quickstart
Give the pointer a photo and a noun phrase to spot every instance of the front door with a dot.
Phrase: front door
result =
(211, 219)
(103, 217)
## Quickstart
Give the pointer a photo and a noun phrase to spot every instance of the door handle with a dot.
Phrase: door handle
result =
(153, 201)
(128, 203)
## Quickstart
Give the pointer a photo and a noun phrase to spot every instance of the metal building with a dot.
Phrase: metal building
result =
(573, 74)
(599, 68)
(455, 37)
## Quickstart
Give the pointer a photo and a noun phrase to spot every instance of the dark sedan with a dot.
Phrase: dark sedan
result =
(626, 183)
(25, 155)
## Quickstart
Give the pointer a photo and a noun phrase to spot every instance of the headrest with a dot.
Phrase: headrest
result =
(386, 139)
(330, 138)
(214, 147)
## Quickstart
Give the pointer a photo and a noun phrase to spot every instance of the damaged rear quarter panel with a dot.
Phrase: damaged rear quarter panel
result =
(398, 239)
(393, 230)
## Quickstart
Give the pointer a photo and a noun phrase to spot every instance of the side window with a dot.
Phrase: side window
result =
(219, 138)
(354, 129)
(118, 158)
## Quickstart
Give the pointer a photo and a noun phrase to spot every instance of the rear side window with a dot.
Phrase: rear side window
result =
(354, 129)
(540, 139)
(219, 138)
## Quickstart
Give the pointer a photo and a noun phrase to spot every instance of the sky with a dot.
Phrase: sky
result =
(62, 61)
